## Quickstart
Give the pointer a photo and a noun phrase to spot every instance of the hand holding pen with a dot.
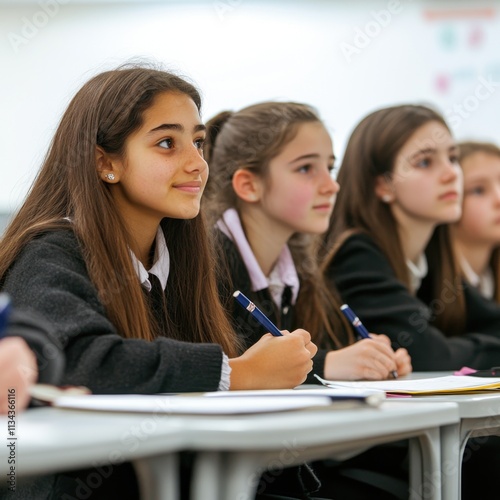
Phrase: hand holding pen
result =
(359, 327)
(276, 361)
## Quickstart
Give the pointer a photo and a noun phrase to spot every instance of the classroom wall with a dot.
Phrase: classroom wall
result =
(346, 58)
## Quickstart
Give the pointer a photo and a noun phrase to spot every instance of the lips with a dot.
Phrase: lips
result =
(189, 187)
(449, 195)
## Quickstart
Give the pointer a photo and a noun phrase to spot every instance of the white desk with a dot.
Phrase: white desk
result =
(232, 451)
(479, 416)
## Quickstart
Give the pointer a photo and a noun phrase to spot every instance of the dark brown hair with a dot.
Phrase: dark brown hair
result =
(251, 138)
(370, 153)
(105, 111)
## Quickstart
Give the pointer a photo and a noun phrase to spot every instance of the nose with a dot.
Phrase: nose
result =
(451, 171)
(194, 161)
(496, 193)
(328, 184)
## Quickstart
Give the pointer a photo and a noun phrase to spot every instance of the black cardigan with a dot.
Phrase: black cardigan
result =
(367, 282)
(234, 276)
(50, 278)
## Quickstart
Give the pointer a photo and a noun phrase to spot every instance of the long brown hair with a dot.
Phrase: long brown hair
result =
(105, 111)
(370, 153)
(466, 149)
(251, 138)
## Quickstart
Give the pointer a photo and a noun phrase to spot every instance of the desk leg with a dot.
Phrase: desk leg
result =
(158, 477)
(451, 462)
(425, 466)
(207, 476)
(228, 476)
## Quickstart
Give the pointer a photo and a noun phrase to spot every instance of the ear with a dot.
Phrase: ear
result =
(247, 185)
(106, 167)
(384, 188)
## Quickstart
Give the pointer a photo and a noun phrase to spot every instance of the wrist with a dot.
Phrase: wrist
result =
(239, 378)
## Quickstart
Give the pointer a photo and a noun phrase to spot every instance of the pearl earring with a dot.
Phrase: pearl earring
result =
(110, 177)
(386, 198)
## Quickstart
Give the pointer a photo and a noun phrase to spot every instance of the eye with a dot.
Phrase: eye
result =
(454, 159)
(166, 143)
(478, 190)
(423, 163)
(199, 143)
(304, 169)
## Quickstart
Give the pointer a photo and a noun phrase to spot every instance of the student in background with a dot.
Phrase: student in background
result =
(110, 250)
(270, 190)
(401, 184)
(476, 236)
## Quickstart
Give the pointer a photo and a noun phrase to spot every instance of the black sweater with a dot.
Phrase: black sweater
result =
(50, 278)
(234, 277)
(367, 282)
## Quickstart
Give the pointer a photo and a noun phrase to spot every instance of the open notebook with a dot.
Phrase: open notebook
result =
(423, 387)
(214, 403)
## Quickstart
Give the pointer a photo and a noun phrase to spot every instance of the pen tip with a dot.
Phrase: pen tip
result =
(343, 306)
(235, 294)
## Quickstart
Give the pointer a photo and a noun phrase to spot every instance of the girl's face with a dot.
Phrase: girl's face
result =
(299, 191)
(480, 222)
(426, 183)
(162, 173)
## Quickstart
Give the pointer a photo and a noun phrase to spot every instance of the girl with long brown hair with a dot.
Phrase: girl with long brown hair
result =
(476, 236)
(401, 183)
(391, 259)
(271, 190)
(110, 249)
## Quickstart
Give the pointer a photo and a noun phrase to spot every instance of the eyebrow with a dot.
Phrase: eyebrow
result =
(177, 127)
(308, 157)
(427, 151)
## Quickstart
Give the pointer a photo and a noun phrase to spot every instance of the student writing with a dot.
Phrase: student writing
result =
(270, 190)
(401, 183)
(401, 186)
(109, 248)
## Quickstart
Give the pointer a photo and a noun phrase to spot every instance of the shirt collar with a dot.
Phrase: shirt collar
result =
(484, 282)
(284, 272)
(418, 271)
(161, 266)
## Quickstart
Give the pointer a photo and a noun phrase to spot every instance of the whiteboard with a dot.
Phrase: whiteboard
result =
(345, 58)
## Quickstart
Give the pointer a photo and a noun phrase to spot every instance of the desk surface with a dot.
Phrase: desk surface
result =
(51, 439)
(479, 405)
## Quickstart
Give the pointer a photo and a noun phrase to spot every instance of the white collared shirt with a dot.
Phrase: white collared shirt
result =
(283, 273)
(484, 283)
(161, 269)
(161, 263)
(418, 272)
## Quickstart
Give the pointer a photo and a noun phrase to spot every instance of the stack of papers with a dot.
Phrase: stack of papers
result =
(223, 403)
(423, 387)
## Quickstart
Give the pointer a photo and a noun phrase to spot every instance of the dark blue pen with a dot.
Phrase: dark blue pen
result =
(4, 313)
(257, 314)
(359, 327)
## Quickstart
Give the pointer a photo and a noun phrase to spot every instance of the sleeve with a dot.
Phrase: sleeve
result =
(50, 279)
(367, 282)
(37, 334)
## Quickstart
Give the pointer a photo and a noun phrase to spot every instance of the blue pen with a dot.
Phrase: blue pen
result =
(257, 314)
(4, 312)
(359, 327)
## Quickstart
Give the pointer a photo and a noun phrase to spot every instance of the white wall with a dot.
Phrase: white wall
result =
(344, 57)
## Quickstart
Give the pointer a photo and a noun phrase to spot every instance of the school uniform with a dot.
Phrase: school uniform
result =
(366, 281)
(50, 278)
(275, 295)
